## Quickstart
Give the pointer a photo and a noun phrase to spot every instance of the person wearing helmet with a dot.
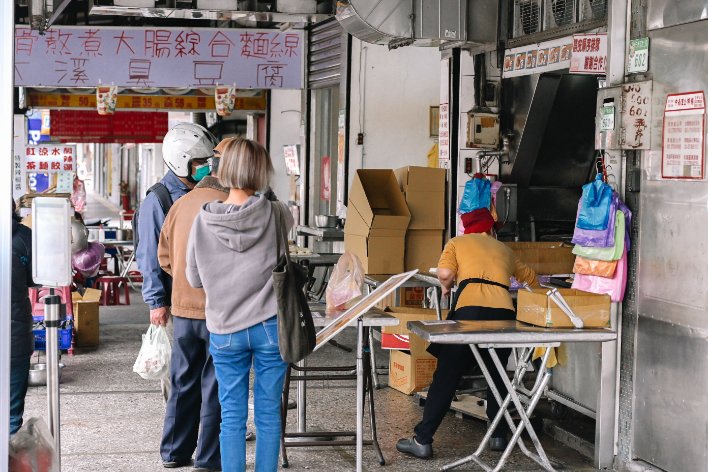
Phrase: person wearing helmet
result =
(186, 150)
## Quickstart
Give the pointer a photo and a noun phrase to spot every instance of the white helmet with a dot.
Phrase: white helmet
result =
(184, 142)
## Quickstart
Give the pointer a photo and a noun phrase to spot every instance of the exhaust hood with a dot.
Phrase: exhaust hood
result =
(399, 23)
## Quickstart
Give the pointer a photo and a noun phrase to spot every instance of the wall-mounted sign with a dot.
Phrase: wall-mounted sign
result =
(19, 182)
(607, 117)
(589, 54)
(192, 103)
(291, 153)
(444, 118)
(159, 57)
(683, 155)
(538, 58)
(50, 158)
(638, 58)
(85, 126)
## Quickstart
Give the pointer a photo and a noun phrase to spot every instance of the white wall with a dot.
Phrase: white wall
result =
(390, 101)
(285, 128)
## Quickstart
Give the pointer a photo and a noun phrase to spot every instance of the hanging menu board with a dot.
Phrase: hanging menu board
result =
(683, 147)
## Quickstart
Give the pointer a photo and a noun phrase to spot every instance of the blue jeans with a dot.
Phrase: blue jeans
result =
(233, 356)
(19, 373)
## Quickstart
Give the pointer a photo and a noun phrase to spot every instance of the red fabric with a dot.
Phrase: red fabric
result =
(477, 221)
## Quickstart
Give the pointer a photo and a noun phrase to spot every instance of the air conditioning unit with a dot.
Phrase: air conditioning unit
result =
(592, 9)
(527, 17)
(558, 13)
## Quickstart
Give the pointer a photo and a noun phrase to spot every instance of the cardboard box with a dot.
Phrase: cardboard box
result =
(424, 191)
(423, 249)
(397, 337)
(539, 310)
(546, 258)
(377, 219)
(411, 372)
(86, 317)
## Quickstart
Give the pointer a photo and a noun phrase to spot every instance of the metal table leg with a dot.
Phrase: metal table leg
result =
(513, 388)
(369, 389)
(359, 394)
(372, 359)
(302, 402)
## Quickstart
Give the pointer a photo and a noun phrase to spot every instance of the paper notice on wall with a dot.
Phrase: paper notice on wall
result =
(50, 158)
(291, 153)
(444, 137)
(65, 182)
(683, 147)
(589, 54)
(19, 177)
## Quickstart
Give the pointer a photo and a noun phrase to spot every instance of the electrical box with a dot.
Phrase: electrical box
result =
(482, 130)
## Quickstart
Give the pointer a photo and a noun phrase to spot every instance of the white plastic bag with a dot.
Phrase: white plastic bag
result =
(153, 362)
(345, 282)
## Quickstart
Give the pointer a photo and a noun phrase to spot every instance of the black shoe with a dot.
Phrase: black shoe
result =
(205, 469)
(411, 446)
(498, 444)
(176, 463)
(250, 435)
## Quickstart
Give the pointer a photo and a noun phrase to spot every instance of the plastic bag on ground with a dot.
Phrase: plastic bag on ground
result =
(344, 283)
(32, 448)
(153, 362)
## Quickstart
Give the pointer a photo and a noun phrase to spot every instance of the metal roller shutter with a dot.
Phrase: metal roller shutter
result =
(325, 54)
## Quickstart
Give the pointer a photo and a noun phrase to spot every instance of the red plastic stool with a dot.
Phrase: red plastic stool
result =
(110, 290)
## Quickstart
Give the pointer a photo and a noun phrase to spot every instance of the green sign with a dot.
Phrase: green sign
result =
(607, 118)
(638, 59)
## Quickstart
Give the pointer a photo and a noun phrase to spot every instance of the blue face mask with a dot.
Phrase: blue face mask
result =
(201, 172)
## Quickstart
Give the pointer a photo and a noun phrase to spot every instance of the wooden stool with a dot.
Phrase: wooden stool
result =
(110, 290)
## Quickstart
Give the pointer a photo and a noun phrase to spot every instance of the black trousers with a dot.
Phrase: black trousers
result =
(453, 361)
(194, 398)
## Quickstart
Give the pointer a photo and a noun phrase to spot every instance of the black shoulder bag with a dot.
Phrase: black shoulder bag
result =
(296, 330)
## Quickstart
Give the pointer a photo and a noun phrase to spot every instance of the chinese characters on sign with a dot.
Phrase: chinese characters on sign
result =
(682, 143)
(636, 115)
(159, 57)
(50, 158)
(292, 159)
(589, 54)
(638, 57)
(537, 58)
(444, 138)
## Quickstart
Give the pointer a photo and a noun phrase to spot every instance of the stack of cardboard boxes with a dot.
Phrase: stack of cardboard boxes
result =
(424, 191)
(377, 219)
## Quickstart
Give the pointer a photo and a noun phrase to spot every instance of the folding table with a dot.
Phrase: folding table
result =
(523, 338)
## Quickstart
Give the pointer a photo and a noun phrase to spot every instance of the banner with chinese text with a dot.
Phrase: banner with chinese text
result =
(159, 57)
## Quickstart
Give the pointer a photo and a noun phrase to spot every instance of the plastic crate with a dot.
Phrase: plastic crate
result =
(36, 295)
(65, 335)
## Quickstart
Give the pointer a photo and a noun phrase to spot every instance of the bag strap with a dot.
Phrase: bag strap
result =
(281, 238)
(163, 196)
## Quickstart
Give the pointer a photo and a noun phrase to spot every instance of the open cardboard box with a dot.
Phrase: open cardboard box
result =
(538, 309)
(424, 191)
(377, 219)
(86, 317)
(545, 258)
(411, 372)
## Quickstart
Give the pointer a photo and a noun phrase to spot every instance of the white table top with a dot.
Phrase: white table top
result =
(373, 317)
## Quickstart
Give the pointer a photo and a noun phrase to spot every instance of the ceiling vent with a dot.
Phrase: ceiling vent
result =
(420, 22)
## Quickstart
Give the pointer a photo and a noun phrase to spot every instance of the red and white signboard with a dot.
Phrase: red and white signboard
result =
(589, 54)
(50, 158)
(683, 146)
(292, 159)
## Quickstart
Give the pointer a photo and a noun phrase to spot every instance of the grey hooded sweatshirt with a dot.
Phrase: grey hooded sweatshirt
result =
(232, 253)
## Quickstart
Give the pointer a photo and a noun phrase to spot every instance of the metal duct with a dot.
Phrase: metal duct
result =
(420, 22)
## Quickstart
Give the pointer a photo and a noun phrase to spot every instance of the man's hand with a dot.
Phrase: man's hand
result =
(159, 316)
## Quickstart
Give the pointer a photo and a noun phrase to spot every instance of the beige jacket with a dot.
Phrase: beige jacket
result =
(187, 302)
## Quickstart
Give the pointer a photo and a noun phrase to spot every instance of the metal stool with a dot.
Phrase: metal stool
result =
(110, 290)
